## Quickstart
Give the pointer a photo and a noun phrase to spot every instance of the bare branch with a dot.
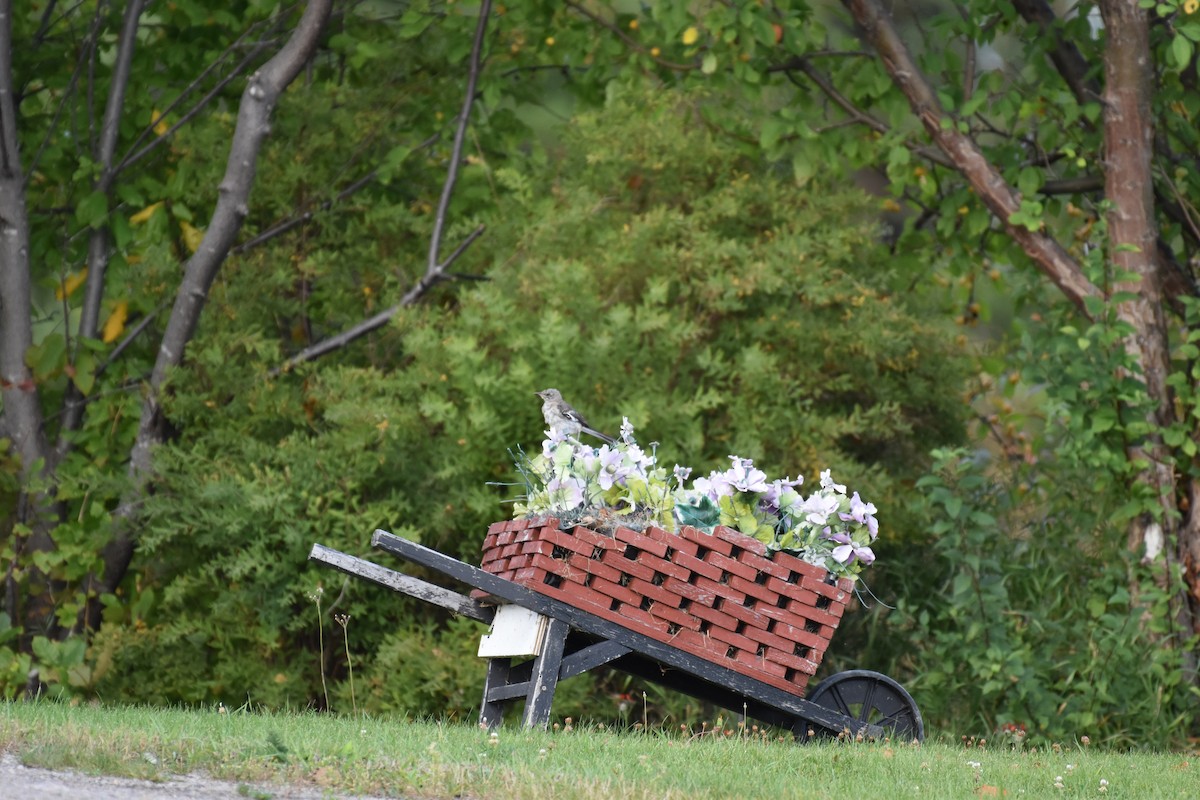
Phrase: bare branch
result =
(435, 270)
(1001, 198)
(98, 241)
(1065, 56)
(129, 338)
(460, 135)
(1080, 185)
(856, 114)
(968, 79)
(134, 155)
(253, 126)
(295, 221)
(44, 24)
(419, 289)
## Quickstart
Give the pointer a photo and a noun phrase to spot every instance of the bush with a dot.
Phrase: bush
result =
(713, 303)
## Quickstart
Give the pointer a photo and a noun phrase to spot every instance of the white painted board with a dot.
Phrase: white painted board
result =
(516, 631)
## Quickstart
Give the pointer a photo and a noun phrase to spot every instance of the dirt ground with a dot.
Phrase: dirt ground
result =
(27, 783)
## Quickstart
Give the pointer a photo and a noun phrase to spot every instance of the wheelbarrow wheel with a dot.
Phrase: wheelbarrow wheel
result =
(873, 698)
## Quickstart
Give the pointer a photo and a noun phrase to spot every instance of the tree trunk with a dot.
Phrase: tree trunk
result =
(22, 413)
(1132, 230)
(1163, 538)
(1129, 186)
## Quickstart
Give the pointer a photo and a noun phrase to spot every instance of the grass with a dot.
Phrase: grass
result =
(428, 759)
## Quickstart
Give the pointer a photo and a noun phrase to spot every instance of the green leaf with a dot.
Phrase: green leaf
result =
(92, 210)
(1029, 181)
(85, 371)
(1181, 51)
(48, 357)
(392, 162)
(122, 233)
(772, 131)
(1104, 420)
(803, 168)
(1173, 437)
(953, 506)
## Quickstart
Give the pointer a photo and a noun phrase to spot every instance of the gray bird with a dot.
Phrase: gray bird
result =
(565, 420)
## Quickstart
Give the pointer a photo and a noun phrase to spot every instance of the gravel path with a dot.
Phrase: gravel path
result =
(30, 783)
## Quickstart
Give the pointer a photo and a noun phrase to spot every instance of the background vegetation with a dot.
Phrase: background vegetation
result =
(677, 231)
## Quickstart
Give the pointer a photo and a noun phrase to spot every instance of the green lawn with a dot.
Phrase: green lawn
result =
(427, 759)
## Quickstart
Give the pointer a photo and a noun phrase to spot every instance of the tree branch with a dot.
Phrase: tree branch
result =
(133, 155)
(253, 126)
(856, 114)
(460, 135)
(295, 221)
(1080, 185)
(1003, 201)
(69, 92)
(20, 406)
(1075, 71)
(435, 271)
(1065, 56)
(98, 241)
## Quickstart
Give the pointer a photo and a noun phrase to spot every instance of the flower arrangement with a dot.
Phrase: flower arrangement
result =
(621, 483)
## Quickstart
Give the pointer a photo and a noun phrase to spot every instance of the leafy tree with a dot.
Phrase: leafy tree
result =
(85, 158)
(653, 269)
(1046, 155)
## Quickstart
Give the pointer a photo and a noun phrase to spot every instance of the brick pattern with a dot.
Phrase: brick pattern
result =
(717, 596)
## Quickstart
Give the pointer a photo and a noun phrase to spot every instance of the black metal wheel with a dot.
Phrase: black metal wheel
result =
(873, 698)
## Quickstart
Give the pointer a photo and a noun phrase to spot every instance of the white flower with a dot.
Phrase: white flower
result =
(827, 483)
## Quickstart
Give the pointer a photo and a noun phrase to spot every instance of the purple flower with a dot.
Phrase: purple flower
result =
(862, 513)
(612, 467)
(849, 553)
(682, 474)
(780, 495)
(553, 439)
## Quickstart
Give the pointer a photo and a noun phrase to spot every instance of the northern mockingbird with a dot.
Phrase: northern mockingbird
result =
(563, 419)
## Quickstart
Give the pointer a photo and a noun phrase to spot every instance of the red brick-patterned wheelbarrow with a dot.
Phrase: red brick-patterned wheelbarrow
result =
(710, 615)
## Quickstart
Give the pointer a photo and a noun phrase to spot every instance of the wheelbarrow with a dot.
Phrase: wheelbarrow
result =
(708, 615)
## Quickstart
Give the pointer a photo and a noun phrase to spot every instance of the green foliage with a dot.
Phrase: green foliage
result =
(433, 671)
(1024, 617)
(709, 301)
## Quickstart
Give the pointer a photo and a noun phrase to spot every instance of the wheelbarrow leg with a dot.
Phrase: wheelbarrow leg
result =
(491, 714)
(544, 679)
